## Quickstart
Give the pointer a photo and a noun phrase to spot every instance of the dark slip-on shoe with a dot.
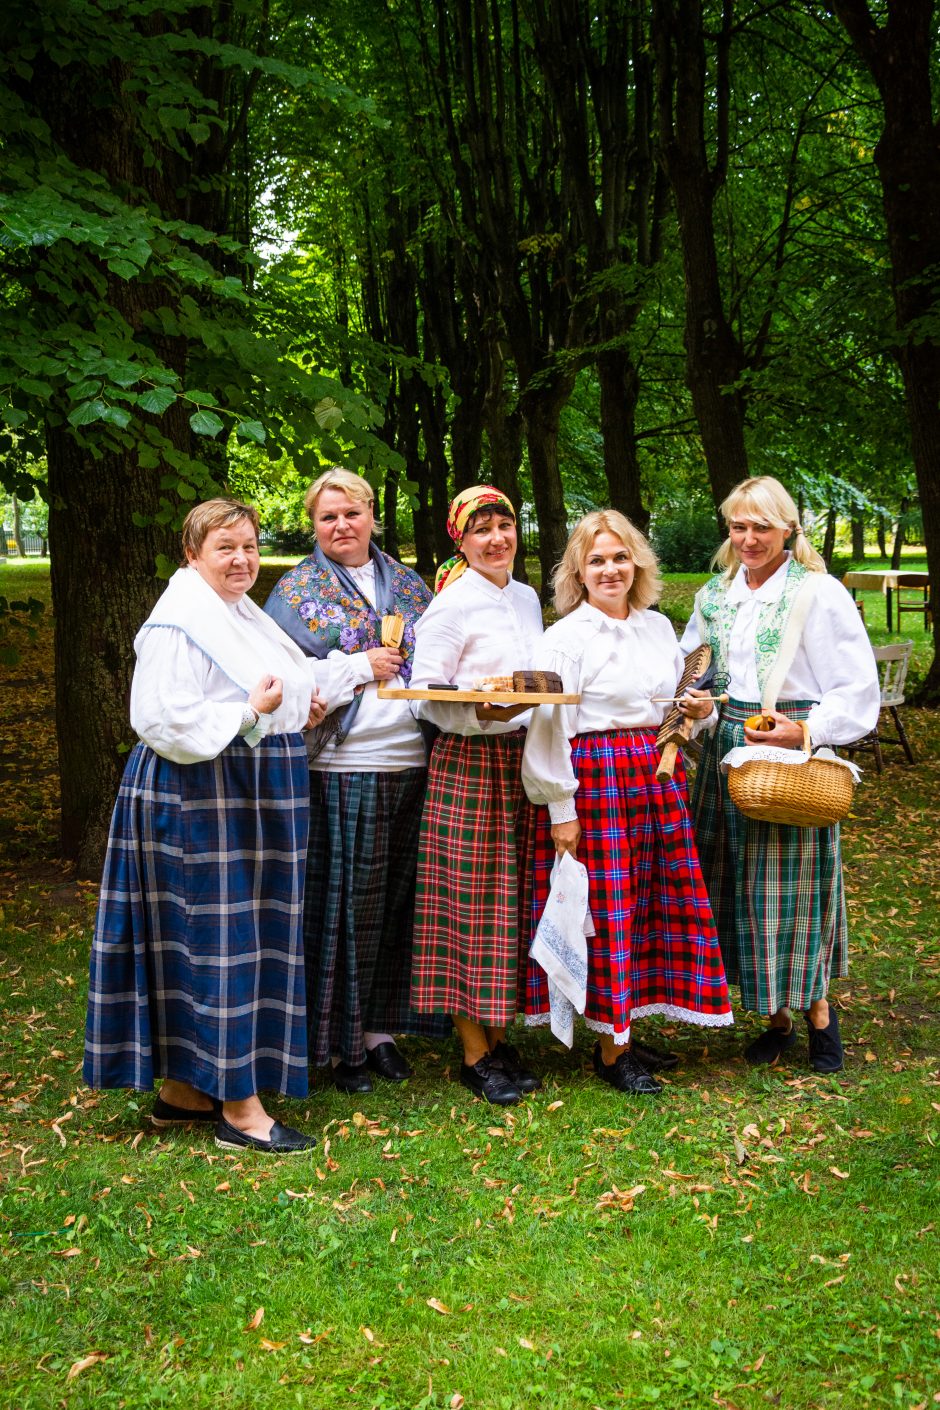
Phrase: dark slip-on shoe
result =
(166, 1114)
(825, 1045)
(283, 1140)
(626, 1074)
(351, 1078)
(505, 1058)
(653, 1059)
(486, 1081)
(386, 1061)
(770, 1046)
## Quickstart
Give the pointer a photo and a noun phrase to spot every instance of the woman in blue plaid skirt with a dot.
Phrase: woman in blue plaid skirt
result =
(787, 642)
(197, 961)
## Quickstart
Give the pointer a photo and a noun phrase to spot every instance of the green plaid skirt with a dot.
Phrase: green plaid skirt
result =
(776, 892)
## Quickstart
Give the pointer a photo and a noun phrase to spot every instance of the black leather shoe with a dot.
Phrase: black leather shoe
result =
(166, 1114)
(351, 1079)
(488, 1082)
(283, 1140)
(653, 1059)
(626, 1074)
(771, 1044)
(825, 1045)
(506, 1058)
(388, 1062)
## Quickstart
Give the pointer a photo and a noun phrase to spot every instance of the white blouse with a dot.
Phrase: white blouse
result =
(384, 737)
(834, 663)
(618, 667)
(474, 629)
(187, 709)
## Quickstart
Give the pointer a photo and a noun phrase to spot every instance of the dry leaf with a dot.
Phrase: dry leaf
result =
(272, 1345)
(92, 1359)
(525, 1344)
(186, 1191)
(256, 1321)
(839, 1174)
(67, 1253)
(831, 1282)
(553, 1106)
(223, 1188)
(456, 1401)
(368, 1333)
(438, 1306)
(870, 1056)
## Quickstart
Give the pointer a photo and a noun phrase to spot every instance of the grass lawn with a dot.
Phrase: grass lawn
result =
(751, 1239)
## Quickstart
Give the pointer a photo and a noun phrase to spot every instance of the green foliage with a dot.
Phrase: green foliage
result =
(685, 536)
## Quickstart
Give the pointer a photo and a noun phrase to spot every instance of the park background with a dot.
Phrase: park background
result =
(616, 253)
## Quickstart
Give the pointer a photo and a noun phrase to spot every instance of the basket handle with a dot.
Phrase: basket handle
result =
(807, 742)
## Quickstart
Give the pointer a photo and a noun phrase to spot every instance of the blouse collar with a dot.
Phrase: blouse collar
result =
(484, 585)
(601, 622)
(769, 591)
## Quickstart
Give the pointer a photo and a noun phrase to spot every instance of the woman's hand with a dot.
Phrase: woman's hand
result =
(318, 707)
(267, 695)
(566, 837)
(500, 712)
(786, 733)
(696, 704)
(385, 661)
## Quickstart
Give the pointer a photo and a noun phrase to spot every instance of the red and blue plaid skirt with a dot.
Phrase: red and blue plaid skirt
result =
(655, 949)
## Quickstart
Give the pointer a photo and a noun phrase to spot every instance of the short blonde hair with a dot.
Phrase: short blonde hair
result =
(338, 478)
(764, 500)
(214, 514)
(569, 589)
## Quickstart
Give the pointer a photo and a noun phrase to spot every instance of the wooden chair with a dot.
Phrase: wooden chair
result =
(893, 662)
(912, 594)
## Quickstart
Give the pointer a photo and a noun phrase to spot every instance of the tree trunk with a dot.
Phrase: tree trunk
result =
(899, 535)
(619, 388)
(103, 587)
(542, 414)
(882, 541)
(18, 527)
(901, 57)
(829, 538)
(858, 539)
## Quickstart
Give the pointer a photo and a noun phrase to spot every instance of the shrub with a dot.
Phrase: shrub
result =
(684, 538)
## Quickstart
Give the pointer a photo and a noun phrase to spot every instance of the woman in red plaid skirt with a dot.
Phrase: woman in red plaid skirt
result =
(593, 765)
(475, 854)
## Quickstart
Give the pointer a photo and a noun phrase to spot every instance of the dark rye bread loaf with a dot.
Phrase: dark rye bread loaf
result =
(544, 682)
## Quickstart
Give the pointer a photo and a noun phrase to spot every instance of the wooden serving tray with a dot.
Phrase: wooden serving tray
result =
(479, 697)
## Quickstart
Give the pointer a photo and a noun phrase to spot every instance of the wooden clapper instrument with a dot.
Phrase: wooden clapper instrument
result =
(676, 730)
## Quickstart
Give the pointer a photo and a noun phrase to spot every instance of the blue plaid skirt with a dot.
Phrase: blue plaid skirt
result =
(197, 969)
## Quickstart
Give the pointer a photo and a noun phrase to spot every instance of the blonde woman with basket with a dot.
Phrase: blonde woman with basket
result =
(788, 643)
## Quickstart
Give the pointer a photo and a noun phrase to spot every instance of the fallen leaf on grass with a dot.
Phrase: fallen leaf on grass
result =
(456, 1401)
(92, 1359)
(526, 1344)
(186, 1191)
(831, 1282)
(67, 1253)
(552, 1106)
(272, 1345)
(223, 1188)
(870, 1056)
(368, 1333)
(438, 1306)
(256, 1321)
(839, 1174)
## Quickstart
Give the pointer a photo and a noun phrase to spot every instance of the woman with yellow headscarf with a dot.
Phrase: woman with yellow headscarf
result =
(475, 855)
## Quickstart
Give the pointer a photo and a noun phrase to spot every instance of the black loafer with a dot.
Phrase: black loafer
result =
(283, 1140)
(768, 1048)
(653, 1059)
(388, 1062)
(351, 1079)
(825, 1045)
(488, 1082)
(626, 1074)
(166, 1114)
(506, 1058)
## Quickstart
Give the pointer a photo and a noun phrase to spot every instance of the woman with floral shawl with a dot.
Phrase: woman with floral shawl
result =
(368, 771)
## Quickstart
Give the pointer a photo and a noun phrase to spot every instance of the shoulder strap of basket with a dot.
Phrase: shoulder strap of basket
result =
(796, 602)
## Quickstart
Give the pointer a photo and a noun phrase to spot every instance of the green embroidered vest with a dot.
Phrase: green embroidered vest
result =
(716, 616)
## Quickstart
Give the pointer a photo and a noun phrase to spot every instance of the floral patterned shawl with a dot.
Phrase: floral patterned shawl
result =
(320, 607)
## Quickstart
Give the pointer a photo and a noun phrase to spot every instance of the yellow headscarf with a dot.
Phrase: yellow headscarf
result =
(462, 509)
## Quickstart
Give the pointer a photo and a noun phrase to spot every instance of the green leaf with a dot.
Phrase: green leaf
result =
(205, 423)
(123, 268)
(157, 400)
(328, 414)
(116, 416)
(86, 412)
(250, 431)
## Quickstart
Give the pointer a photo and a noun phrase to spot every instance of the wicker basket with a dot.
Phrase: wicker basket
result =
(815, 794)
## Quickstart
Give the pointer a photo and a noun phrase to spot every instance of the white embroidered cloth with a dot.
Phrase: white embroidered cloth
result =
(772, 754)
(560, 945)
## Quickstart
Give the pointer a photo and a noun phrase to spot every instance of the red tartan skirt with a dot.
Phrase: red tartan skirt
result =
(655, 950)
(473, 895)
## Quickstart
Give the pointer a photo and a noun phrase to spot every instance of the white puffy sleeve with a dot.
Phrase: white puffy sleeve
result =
(547, 774)
(171, 707)
(440, 639)
(840, 656)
